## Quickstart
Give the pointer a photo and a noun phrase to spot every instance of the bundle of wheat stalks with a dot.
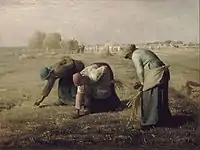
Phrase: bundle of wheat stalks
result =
(134, 103)
(118, 84)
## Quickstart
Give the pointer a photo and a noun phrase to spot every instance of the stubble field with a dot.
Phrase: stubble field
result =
(23, 125)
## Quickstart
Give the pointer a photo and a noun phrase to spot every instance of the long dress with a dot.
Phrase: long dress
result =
(103, 104)
(154, 104)
(66, 88)
(63, 71)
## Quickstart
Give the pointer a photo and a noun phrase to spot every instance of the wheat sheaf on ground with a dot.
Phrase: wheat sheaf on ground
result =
(23, 125)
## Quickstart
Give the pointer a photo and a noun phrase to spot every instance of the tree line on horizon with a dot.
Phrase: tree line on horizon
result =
(42, 40)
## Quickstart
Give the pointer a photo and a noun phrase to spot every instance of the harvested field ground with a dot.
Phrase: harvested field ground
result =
(22, 125)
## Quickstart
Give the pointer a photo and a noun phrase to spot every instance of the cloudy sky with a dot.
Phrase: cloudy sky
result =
(97, 21)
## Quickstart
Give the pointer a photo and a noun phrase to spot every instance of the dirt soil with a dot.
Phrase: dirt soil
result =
(25, 126)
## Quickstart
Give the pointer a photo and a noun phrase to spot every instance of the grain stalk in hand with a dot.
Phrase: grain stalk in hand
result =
(134, 103)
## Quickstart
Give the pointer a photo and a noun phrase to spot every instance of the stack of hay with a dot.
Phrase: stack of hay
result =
(106, 51)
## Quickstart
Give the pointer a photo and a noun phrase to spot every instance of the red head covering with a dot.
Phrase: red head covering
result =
(77, 77)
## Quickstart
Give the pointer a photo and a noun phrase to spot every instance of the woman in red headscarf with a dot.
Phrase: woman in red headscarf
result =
(95, 89)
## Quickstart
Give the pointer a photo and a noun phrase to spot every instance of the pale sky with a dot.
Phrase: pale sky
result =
(96, 21)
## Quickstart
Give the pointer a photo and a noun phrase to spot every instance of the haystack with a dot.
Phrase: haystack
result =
(106, 51)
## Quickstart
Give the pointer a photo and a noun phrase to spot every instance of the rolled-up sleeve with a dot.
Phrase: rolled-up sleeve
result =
(81, 89)
(136, 58)
(79, 97)
(48, 87)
